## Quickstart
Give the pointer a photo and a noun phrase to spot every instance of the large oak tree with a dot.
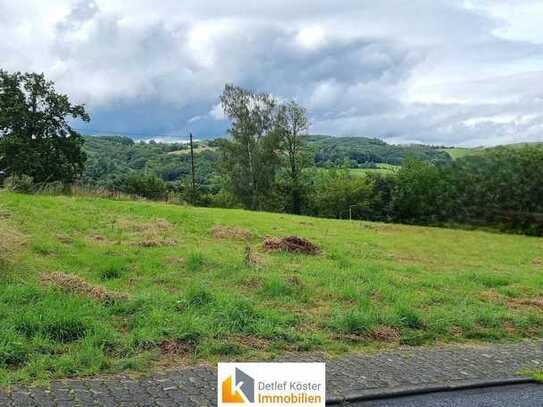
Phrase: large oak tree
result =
(36, 138)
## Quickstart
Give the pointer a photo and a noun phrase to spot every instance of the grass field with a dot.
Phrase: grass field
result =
(381, 169)
(92, 285)
(459, 152)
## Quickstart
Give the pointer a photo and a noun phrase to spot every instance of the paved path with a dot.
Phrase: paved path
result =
(354, 374)
(526, 395)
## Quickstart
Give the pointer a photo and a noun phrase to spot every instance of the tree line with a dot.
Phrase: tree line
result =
(266, 164)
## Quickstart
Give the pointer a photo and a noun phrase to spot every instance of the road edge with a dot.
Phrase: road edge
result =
(418, 390)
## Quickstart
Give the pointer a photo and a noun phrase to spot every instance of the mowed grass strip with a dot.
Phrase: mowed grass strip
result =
(187, 293)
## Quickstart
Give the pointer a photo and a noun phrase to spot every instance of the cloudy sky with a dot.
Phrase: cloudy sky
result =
(433, 71)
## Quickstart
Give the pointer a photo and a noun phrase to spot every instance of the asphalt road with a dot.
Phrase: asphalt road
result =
(525, 395)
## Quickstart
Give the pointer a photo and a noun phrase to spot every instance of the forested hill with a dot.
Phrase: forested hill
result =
(363, 151)
(112, 158)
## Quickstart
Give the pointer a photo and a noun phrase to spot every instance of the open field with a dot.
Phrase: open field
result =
(92, 285)
(459, 152)
(382, 168)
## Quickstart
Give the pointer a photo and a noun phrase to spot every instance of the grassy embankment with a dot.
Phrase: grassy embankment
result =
(153, 284)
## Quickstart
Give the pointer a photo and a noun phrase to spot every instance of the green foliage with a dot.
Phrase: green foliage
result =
(112, 160)
(334, 192)
(359, 152)
(250, 159)
(416, 196)
(496, 188)
(146, 186)
(293, 124)
(36, 138)
(19, 183)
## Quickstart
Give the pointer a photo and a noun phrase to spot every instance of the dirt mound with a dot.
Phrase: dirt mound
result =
(230, 232)
(76, 285)
(292, 244)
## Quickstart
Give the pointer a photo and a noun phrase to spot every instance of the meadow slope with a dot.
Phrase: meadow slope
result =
(93, 285)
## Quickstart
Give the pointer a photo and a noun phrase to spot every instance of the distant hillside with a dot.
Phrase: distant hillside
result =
(359, 152)
(459, 152)
(111, 159)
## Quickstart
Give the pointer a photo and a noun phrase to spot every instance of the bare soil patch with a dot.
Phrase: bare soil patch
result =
(76, 285)
(293, 244)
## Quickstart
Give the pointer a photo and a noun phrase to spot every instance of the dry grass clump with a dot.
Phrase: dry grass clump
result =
(230, 232)
(10, 241)
(252, 342)
(293, 244)
(176, 347)
(156, 233)
(251, 258)
(385, 334)
(526, 302)
(156, 226)
(76, 285)
(490, 295)
(156, 243)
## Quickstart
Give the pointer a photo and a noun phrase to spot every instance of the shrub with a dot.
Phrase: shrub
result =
(149, 187)
(198, 296)
(19, 183)
(12, 349)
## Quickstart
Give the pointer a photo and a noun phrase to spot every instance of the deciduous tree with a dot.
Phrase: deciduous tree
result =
(252, 156)
(36, 138)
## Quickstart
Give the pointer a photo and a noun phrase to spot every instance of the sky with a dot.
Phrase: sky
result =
(443, 72)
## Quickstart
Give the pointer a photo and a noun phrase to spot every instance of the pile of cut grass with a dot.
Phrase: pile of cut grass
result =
(197, 298)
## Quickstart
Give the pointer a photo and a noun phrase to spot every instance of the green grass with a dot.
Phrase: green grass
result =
(425, 285)
(459, 152)
(381, 169)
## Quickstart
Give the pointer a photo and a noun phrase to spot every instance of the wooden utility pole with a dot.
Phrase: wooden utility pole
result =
(192, 166)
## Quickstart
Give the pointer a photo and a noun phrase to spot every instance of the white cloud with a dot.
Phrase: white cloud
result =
(311, 37)
(217, 112)
(436, 71)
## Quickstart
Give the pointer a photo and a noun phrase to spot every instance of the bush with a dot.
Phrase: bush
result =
(20, 183)
(149, 187)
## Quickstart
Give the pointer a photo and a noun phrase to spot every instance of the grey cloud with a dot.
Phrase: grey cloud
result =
(432, 71)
